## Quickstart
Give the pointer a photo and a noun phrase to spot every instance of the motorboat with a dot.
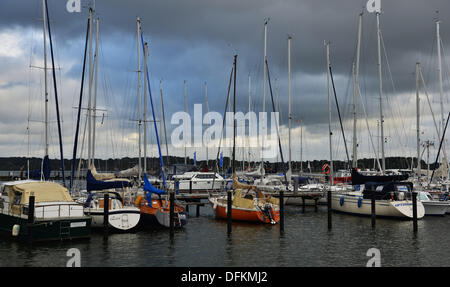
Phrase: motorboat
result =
(56, 215)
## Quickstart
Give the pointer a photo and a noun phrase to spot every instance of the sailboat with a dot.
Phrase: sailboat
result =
(122, 216)
(42, 210)
(248, 203)
(155, 211)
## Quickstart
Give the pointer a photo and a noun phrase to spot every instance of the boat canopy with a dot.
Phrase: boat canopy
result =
(385, 190)
(358, 178)
(93, 184)
(43, 191)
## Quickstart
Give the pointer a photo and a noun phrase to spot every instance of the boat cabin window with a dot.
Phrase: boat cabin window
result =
(205, 176)
(17, 198)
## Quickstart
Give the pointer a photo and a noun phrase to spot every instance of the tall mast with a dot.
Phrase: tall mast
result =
(441, 89)
(383, 160)
(355, 94)
(94, 109)
(301, 147)
(418, 120)
(139, 94)
(264, 96)
(278, 106)
(289, 100)
(145, 104)
(234, 118)
(249, 109)
(329, 113)
(207, 111)
(45, 78)
(185, 110)
(164, 121)
(89, 116)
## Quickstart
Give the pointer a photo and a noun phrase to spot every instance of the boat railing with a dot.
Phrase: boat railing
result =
(58, 210)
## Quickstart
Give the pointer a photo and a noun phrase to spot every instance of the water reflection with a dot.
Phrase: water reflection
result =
(306, 241)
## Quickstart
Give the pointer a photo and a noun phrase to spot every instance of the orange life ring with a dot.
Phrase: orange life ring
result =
(326, 168)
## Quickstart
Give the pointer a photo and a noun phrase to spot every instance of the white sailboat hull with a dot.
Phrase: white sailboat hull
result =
(383, 208)
(121, 219)
(435, 207)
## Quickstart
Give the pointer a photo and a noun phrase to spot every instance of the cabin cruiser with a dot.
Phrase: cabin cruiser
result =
(56, 216)
(432, 206)
(201, 181)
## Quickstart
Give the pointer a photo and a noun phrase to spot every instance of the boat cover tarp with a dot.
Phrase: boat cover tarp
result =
(36, 173)
(43, 191)
(150, 188)
(358, 178)
(383, 190)
(93, 184)
(101, 176)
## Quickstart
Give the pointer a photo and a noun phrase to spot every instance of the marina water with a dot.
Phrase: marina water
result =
(203, 242)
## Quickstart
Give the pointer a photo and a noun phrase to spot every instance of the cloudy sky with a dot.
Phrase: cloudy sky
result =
(194, 41)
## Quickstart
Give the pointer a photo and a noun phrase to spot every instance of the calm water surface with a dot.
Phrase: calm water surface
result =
(204, 242)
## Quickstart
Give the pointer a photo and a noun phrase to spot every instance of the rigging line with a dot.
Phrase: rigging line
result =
(56, 96)
(445, 62)
(394, 90)
(368, 130)
(429, 104)
(440, 146)
(339, 114)
(153, 113)
(216, 167)
(74, 157)
(277, 127)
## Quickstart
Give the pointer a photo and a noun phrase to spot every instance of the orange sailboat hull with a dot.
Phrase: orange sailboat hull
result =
(238, 214)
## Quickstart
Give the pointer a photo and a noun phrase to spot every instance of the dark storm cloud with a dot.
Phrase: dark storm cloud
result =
(195, 41)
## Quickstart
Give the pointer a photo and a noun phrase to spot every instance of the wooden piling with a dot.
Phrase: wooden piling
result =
(105, 215)
(414, 202)
(373, 211)
(303, 204)
(171, 213)
(295, 185)
(281, 211)
(31, 201)
(315, 204)
(329, 208)
(197, 213)
(229, 211)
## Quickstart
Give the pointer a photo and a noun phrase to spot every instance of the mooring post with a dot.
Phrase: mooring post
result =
(329, 208)
(197, 213)
(414, 202)
(281, 211)
(30, 218)
(105, 215)
(295, 185)
(373, 211)
(229, 211)
(172, 208)
(303, 204)
(315, 204)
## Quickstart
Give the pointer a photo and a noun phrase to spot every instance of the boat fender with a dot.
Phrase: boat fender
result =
(15, 230)
(341, 201)
(138, 201)
(359, 202)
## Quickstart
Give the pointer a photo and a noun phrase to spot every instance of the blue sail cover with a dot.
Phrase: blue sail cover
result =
(36, 173)
(150, 188)
(93, 184)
